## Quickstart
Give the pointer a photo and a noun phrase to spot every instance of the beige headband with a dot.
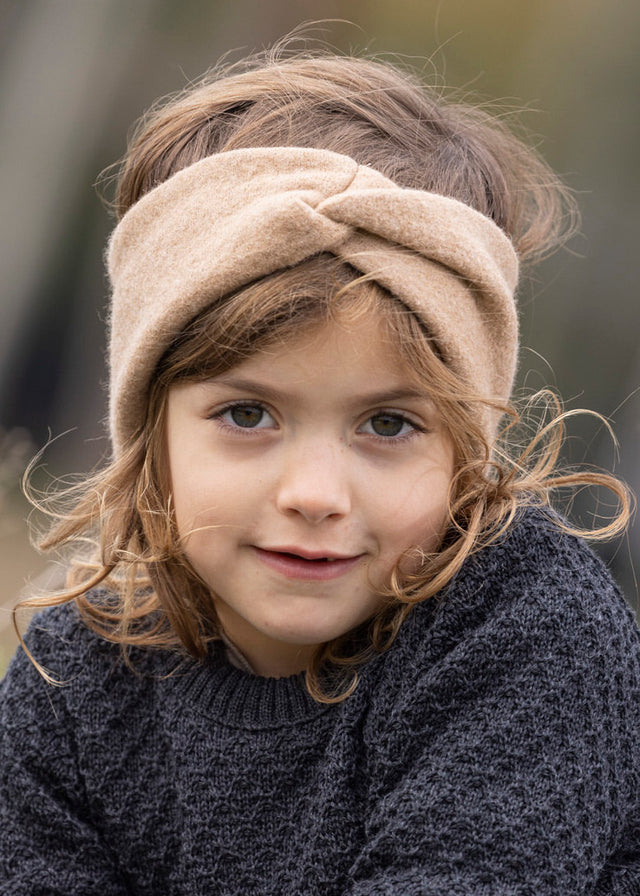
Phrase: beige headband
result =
(237, 216)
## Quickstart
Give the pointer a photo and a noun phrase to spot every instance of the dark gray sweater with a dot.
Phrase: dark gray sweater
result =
(492, 750)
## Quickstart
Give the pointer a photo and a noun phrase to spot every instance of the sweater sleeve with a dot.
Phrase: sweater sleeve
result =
(510, 765)
(49, 844)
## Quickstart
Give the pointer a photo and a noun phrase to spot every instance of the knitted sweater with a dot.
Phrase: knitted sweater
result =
(492, 750)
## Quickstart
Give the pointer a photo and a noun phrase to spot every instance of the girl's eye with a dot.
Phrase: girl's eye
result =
(389, 425)
(246, 416)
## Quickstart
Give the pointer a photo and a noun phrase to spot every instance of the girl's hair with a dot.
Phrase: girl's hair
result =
(381, 116)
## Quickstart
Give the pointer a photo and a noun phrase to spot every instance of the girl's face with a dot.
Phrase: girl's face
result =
(299, 477)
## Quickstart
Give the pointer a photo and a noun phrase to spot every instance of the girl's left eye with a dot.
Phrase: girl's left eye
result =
(388, 425)
(245, 416)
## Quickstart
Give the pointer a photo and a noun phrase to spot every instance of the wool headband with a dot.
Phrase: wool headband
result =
(234, 217)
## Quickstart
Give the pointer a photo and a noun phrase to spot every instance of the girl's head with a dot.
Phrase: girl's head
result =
(292, 223)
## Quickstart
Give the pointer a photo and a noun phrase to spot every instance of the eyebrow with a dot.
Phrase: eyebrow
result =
(268, 393)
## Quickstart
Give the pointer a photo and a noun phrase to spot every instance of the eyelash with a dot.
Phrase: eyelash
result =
(235, 428)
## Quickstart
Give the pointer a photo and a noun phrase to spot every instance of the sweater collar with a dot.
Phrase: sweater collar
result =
(219, 690)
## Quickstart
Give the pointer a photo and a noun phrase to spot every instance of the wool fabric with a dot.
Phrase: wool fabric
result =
(491, 751)
(234, 217)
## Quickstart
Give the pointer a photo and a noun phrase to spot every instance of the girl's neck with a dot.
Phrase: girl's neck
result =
(235, 656)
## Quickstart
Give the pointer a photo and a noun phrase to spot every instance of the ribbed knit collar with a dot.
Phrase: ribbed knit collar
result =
(220, 691)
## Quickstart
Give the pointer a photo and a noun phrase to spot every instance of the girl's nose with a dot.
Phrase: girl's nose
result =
(314, 484)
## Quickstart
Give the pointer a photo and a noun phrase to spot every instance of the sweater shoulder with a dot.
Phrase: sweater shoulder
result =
(536, 572)
(61, 642)
(538, 597)
(89, 675)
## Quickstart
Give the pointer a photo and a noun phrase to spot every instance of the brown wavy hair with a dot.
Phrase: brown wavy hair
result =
(118, 525)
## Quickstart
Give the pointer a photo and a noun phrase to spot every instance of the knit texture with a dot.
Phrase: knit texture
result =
(237, 216)
(492, 750)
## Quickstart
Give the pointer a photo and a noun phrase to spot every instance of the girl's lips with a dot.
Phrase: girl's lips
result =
(312, 570)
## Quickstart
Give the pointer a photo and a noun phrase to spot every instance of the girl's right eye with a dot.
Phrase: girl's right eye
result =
(245, 416)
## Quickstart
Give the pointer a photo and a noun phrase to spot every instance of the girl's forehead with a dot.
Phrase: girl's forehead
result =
(361, 337)
(359, 351)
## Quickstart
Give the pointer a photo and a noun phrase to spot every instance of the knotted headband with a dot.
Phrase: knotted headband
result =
(236, 216)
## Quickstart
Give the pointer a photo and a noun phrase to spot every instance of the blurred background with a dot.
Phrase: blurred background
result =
(75, 74)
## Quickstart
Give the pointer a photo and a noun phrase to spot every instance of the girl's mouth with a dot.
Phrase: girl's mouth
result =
(307, 566)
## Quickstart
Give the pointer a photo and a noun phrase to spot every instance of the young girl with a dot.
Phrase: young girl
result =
(329, 637)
